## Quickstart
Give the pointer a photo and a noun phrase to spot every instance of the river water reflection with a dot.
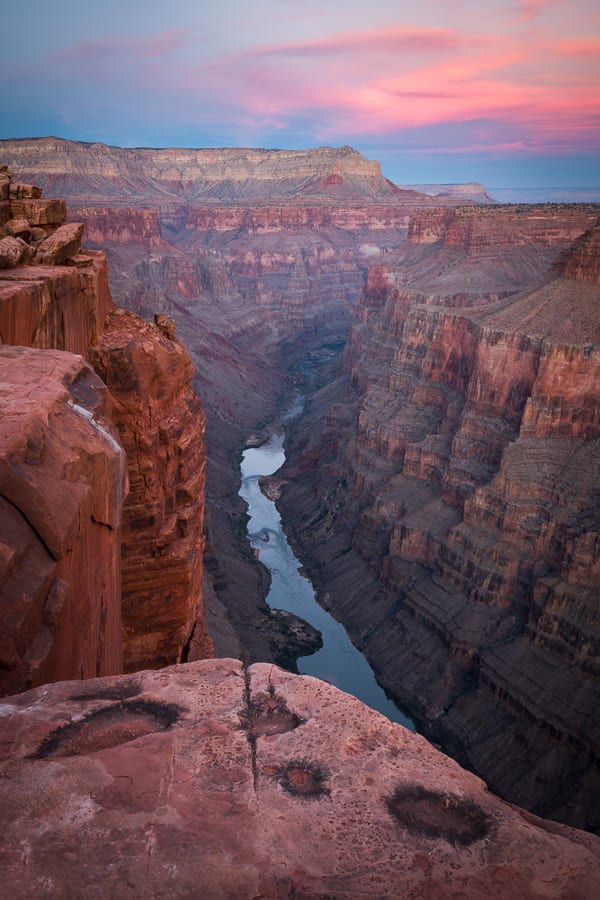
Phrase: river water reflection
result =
(338, 661)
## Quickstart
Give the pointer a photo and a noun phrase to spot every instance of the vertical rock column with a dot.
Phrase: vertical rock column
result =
(161, 425)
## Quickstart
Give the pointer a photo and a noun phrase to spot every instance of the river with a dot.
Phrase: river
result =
(338, 661)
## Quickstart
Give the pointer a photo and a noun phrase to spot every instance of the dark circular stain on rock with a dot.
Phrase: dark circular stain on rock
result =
(269, 714)
(434, 814)
(121, 691)
(302, 778)
(109, 726)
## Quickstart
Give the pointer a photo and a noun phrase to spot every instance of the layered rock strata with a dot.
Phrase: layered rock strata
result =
(215, 174)
(61, 299)
(219, 781)
(62, 483)
(161, 425)
(447, 505)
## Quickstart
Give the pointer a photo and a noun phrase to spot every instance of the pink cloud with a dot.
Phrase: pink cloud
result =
(395, 38)
(380, 82)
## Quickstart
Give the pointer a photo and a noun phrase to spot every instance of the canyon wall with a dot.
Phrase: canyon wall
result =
(161, 427)
(72, 167)
(447, 505)
(62, 483)
(224, 781)
(70, 586)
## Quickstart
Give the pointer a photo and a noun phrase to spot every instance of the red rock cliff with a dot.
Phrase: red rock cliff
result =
(53, 295)
(463, 553)
(62, 483)
(161, 426)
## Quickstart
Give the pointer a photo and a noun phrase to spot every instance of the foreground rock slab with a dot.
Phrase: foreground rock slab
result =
(212, 780)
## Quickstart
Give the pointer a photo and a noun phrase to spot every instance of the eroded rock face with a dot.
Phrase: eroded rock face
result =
(62, 301)
(582, 261)
(213, 780)
(161, 426)
(55, 307)
(448, 507)
(62, 482)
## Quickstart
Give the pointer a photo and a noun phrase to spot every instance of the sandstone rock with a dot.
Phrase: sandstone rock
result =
(255, 783)
(12, 251)
(18, 228)
(58, 247)
(20, 191)
(39, 212)
(166, 325)
(55, 308)
(161, 425)
(62, 482)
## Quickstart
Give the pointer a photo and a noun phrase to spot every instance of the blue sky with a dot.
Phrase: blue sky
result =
(506, 92)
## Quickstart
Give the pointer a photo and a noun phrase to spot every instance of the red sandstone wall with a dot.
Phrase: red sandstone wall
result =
(161, 426)
(62, 482)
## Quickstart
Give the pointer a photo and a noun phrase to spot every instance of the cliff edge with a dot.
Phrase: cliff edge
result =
(78, 595)
(213, 780)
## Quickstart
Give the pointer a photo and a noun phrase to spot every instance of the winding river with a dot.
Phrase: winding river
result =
(338, 661)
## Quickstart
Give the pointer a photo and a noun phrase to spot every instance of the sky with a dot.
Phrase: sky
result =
(505, 92)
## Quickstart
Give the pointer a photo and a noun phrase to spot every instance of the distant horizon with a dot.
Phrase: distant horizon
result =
(520, 193)
(504, 93)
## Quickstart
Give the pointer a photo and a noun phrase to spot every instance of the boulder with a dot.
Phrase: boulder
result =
(60, 246)
(39, 212)
(18, 228)
(13, 251)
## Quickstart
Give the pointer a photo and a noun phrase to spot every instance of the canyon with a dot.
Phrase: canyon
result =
(441, 487)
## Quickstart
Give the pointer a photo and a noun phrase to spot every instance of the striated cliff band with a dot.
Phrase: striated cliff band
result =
(444, 494)
(101, 488)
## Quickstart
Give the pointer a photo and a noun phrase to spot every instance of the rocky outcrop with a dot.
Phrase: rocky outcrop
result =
(61, 307)
(472, 190)
(582, 261)
(61, 300)
(161, 426)
(447, 504)
(62, 482)
(220, 781)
